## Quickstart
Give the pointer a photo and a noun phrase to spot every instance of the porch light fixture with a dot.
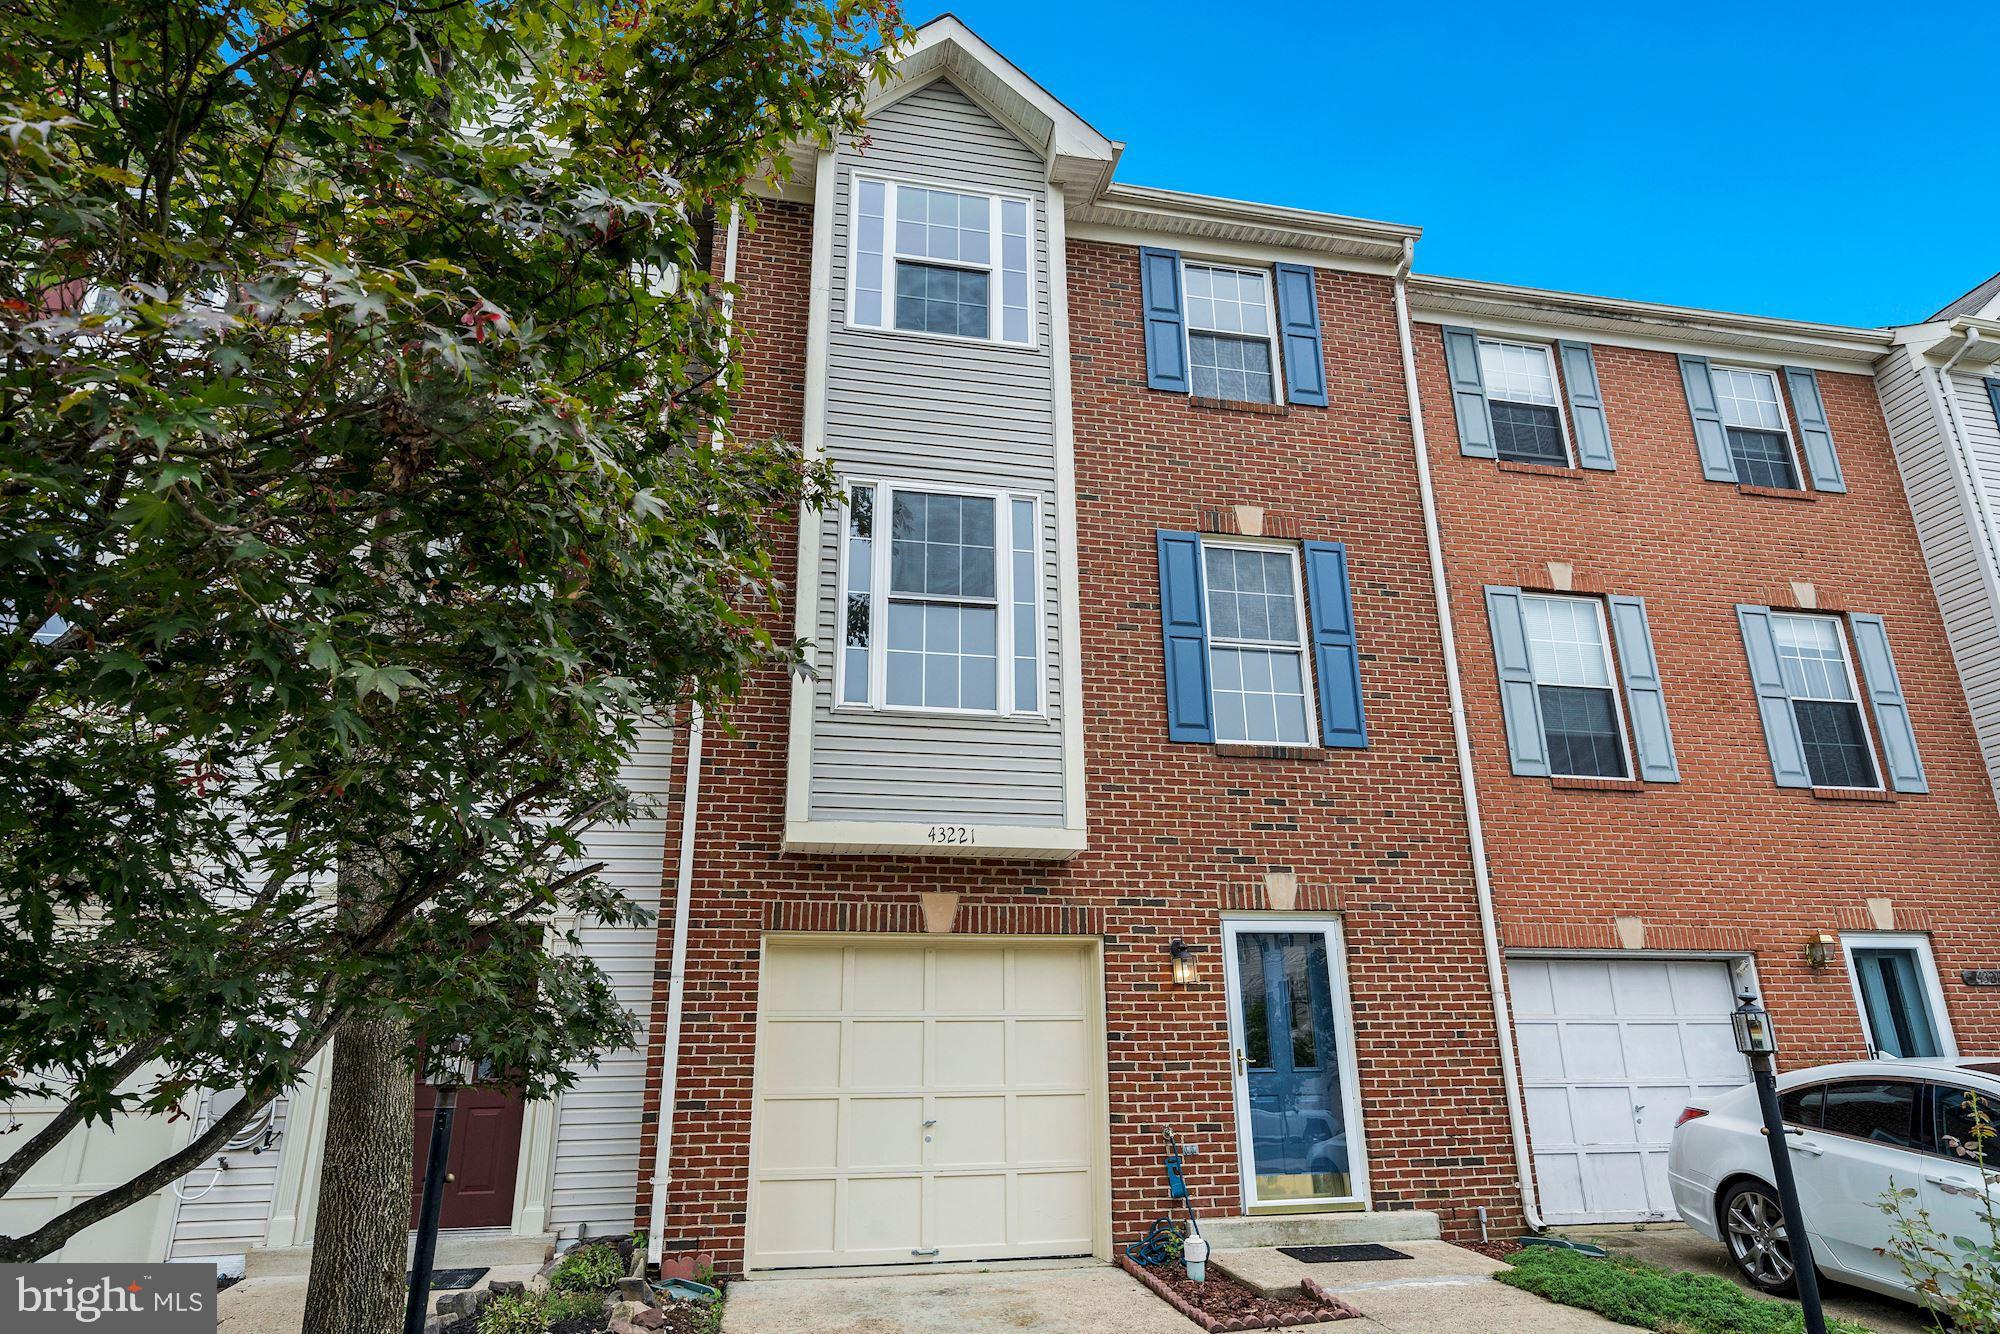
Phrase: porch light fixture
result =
(1182, 955)
(1819, 950)
(1754, 1034)
(1758, 1041)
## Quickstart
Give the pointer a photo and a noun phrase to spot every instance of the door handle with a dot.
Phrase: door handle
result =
(1807, 1148)
(928, 1124)
(450, 1177)
(1951, 1187)
(932, 1251)
(1239, 1063)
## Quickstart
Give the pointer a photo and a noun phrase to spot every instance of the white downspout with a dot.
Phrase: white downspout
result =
(656, 1222)
(1475, 830)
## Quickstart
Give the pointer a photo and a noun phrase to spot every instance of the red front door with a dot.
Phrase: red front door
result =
(485, 1150)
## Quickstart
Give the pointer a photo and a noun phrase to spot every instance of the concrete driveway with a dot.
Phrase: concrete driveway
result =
(1672, 1246)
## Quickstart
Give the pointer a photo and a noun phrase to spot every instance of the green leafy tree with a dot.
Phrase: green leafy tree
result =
(365, 480)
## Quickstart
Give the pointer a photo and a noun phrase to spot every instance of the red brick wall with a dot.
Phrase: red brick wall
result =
(1725, 859)
(1176, 831)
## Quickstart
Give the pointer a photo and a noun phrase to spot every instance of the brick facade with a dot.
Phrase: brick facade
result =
(1179, 834)
(1724, 860)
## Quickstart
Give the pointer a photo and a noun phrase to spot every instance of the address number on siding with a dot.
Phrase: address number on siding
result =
(951, 833)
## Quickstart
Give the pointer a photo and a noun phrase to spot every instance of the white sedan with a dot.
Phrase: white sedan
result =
(1855, 1131)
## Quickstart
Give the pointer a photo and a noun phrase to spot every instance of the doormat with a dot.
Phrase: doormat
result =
(447, 1280)
(1327, 1255)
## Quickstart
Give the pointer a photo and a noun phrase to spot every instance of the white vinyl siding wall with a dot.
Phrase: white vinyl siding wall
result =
(1950, 529)
(911, 409)
(229, 1216)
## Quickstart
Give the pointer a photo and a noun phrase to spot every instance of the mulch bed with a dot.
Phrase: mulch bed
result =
(1224, 1304)
(1493, 1250)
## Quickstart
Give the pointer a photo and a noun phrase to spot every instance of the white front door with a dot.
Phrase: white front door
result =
(1611, 1051)
(1298, 1123)
(921, 1102)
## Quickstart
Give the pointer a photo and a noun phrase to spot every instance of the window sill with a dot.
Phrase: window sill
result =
(1240, 405)
(1596, 784)
(1539, 469)
(1232, 750)
(1776, 492)
(1853, 794)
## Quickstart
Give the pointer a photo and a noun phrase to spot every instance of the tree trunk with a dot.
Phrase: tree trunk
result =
(360, 1254)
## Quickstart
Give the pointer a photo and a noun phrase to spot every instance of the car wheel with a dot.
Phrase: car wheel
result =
(1753, 1229)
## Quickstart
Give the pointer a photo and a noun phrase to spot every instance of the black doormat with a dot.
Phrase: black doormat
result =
(447, 1280)
(1326, 1255)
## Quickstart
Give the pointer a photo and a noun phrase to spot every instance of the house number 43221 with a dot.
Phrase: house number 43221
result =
(951, 833)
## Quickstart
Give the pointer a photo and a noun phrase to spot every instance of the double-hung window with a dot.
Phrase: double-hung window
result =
(1819, 677)
(1570, 655)
(941, 601)
(936, 261)
(1256, 645)
(1232, 342)
(1753, 417)
(1523, 403)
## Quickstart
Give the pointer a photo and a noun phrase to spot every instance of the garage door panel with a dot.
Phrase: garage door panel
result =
(1611, 1050)
(90, 1160)
(939, 1105)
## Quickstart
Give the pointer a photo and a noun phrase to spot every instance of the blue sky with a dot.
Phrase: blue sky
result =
(1791, 160)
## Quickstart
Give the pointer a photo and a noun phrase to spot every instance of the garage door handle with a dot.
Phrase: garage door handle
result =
(932, 1251)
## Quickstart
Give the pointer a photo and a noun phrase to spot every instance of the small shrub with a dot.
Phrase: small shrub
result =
(1958, 1276)
(515, 1313)
(591, 1268)
(560, 1306)
(708, 1317)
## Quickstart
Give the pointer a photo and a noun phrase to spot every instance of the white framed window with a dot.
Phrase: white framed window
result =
(1753, 417)
(1232, 335)
(1259, 675)
(1583, 719)
(946, 263)
(1524, 402)
(1826, 700)
(1895, 982)
(940, 604)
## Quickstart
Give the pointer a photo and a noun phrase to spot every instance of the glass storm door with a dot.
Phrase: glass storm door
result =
(1298, 1135)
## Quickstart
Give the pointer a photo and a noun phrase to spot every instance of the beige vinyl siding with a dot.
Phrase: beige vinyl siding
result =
(225, 1212)
(913, 409)
(597, 1124)
(1950, 530)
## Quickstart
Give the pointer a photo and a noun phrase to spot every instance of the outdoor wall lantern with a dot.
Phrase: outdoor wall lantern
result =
(1754, 1034)
(1819, 950)
(1182, 955)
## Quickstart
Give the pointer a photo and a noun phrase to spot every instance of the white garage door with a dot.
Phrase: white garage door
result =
(1611, 1051)
(90, 1161)
(924, 1102)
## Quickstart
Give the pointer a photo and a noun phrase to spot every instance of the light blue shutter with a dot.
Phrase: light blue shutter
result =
(1184, 625)
(1892, 713)
(1586, 407)
(1645, 697)
(1166, 329)
(1993, 395)
(1342, 721)
(1468, 393)
(1815, 432)
(1298, 324)
(1774, 702)
(1709, 437)
(1527, 743)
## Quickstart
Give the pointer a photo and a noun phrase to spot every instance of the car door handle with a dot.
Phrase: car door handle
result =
(1806, 1147)
(1951, 1187)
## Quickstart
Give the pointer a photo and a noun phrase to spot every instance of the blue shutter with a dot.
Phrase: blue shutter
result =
(1468, 393)
(1815, 432)
(1774, 702)
(1298, 324)
(1709, 437)
(1527, 743)
(1645, 697)
(1892, 713)
(1342, 721)
(1184, 625)
(1166, 331)
(1993, 394)
(1586, 407)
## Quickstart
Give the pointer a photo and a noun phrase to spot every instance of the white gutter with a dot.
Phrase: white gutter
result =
(1475, 830)
(663, 1140)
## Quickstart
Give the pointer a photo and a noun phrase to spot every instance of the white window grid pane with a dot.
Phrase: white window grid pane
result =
(1230, 301)
(942, 554)
(943, 225)
(1027, 600)
(1566, 642)
(1260, 696)
(868, 268)
(1747, 399)
(1517, 373)
(942, 655)
(1251, 596)
(1812, 657)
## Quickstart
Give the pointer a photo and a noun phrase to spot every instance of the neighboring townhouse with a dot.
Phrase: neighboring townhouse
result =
(1719, 742)
(1122, 794)
(1940, 388)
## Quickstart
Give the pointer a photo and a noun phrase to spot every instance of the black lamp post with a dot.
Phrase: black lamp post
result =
(447, 1074)
(1756, 1039)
